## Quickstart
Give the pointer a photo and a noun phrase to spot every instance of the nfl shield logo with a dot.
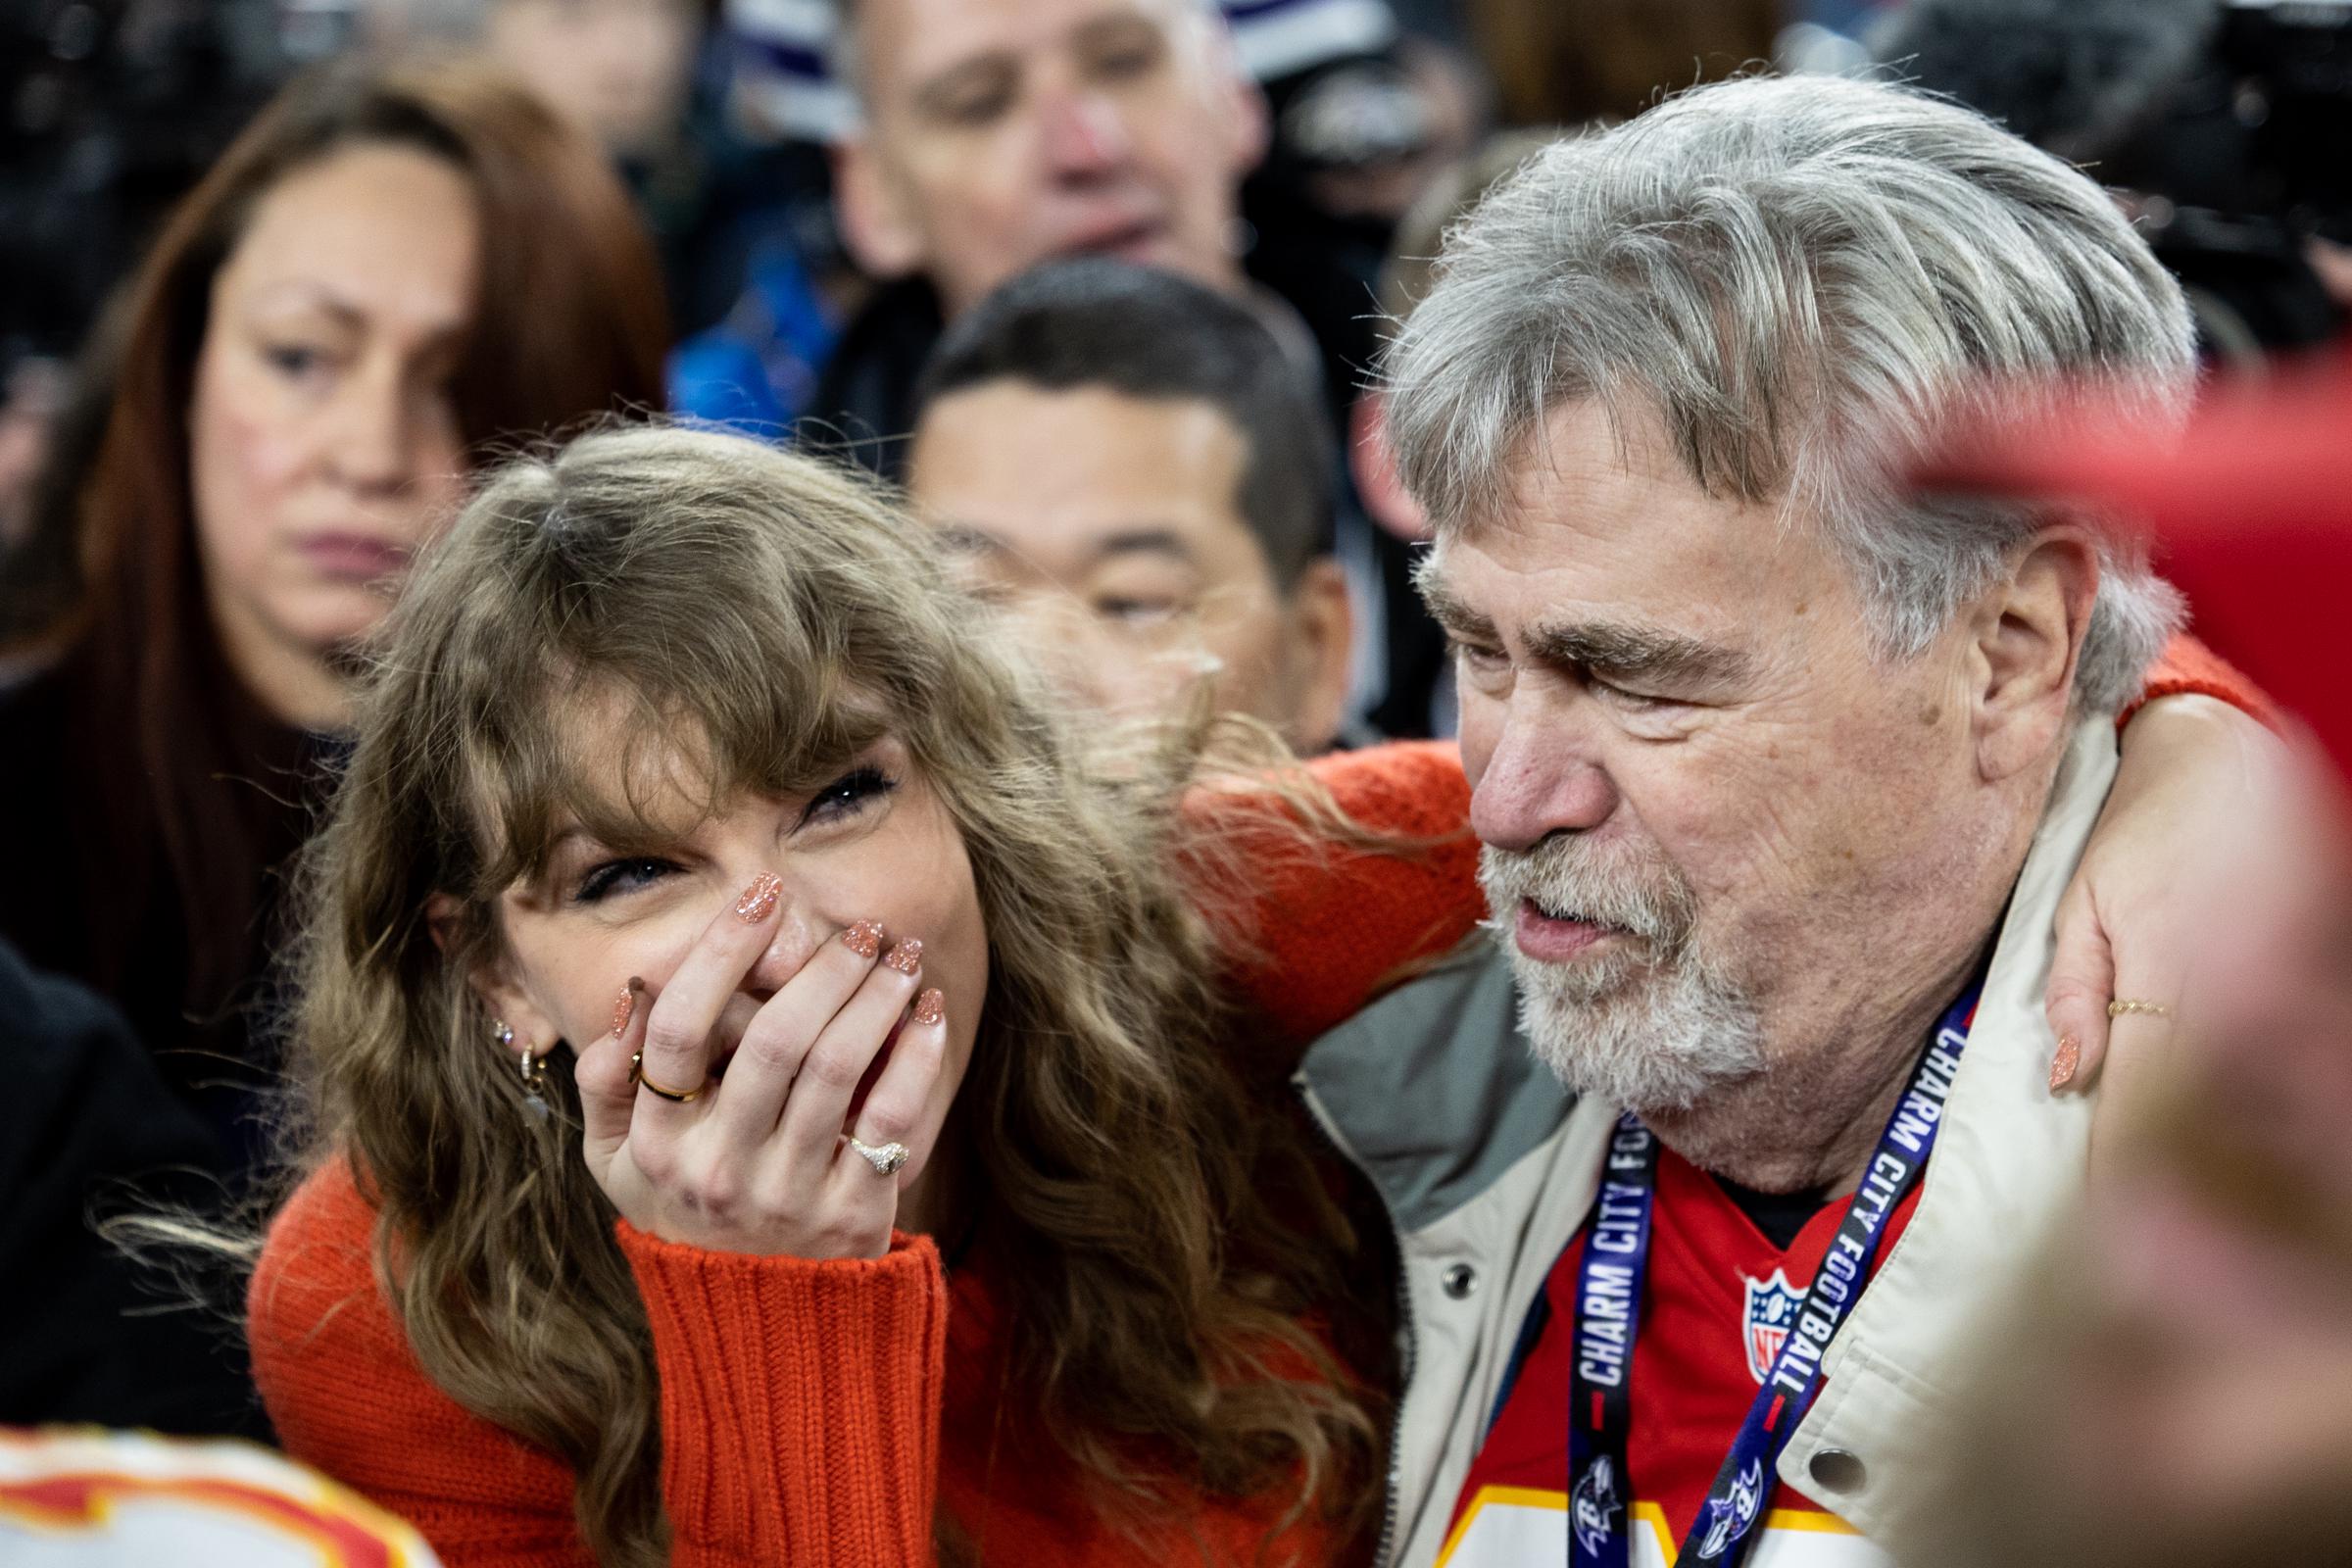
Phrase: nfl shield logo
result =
(1772, 1308)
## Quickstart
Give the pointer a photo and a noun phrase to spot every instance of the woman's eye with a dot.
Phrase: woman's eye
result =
(610, 877)
(294, 360)
(847, 794)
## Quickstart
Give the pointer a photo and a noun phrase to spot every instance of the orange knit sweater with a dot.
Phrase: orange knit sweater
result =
(814, 1415)
(811, 1414)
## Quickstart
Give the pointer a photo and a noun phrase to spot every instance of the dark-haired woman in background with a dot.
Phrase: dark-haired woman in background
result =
(395, 266)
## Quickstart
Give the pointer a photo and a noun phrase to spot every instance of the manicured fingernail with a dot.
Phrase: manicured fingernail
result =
(906, 957)
(930, 1008)
(2063, 1063)
(759, 901)
(624, 1007)
(864, 939)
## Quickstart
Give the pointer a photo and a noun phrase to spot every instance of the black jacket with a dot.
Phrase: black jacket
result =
(85, 1335)
(89, 894)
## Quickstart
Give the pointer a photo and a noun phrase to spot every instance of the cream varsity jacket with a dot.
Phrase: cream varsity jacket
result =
(1487, 1167)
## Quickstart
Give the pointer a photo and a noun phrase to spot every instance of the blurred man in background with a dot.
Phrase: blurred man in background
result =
(1128, 461)
(995, 134)
(1364, 99)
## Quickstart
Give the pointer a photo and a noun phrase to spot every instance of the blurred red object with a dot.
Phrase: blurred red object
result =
(2250, 509)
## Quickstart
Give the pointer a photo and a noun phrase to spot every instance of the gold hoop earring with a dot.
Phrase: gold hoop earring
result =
(534, 1068)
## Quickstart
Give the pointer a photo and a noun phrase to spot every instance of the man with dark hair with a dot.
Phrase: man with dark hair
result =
(1132, 465)
(990, 136)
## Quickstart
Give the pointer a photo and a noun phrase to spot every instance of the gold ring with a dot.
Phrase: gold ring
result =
(2154, 1009)
(679, 1096)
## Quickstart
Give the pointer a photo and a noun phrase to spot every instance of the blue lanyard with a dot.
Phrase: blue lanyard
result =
(1608, 1313)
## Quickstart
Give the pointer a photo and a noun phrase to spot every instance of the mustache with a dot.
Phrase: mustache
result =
(1612, 885)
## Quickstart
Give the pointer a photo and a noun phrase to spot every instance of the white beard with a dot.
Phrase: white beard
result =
(1653, 1025)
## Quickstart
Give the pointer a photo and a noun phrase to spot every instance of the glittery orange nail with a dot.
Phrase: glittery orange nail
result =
(2063, 1063)
(930, 1008)
(624, 1007)
(906, 957)
(759, 901)
(864, 939)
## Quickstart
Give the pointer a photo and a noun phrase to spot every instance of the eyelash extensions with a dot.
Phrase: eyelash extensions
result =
(845, 797)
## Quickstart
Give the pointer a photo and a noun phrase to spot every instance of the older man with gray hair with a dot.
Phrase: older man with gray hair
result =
(1779, 771)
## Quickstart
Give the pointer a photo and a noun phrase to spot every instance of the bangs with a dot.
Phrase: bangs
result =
(596, 669)
(637, 768)
(629, 637)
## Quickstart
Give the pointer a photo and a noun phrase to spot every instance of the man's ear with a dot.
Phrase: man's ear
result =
(877, 224)
(492, 985)
(2029, 631)
(1373, 464)
(1321, 655)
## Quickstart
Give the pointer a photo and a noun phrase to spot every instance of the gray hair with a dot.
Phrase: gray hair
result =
(1801, 277)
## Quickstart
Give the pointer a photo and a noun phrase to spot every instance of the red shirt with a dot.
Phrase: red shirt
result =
(1719, 1297)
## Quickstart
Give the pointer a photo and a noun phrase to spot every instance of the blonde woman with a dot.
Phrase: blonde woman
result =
(689, 824)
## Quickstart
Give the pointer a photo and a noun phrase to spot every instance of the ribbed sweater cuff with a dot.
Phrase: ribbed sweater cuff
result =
(800, 1400)
(2246, 698)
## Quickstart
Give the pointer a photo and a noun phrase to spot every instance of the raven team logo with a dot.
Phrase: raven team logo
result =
(1729, 1517)
(1593, 1508)
(1772, 1308)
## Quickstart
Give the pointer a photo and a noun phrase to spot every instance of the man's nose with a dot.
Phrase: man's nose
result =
(1085, 135)
(1537, 781)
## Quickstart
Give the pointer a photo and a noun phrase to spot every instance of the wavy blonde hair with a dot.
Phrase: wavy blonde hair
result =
(771, 616)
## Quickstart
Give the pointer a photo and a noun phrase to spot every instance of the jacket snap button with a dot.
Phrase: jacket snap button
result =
(1461, 1281)
(1836, 1470)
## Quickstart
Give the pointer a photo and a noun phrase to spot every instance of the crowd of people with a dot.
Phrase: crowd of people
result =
(1102, 781)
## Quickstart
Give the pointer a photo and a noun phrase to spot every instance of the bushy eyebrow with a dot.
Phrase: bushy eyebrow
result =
(1615, 649)
(1621, 651)
(1460, 621)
